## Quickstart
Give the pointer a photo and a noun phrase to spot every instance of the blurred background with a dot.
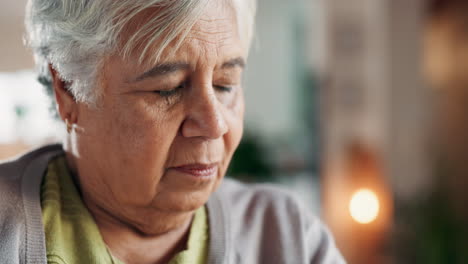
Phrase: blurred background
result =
(359, 106)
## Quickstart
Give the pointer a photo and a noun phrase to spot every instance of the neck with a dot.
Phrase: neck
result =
(132, 245)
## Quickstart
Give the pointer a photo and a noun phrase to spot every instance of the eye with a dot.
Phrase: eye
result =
(169, 93)
(223, 88)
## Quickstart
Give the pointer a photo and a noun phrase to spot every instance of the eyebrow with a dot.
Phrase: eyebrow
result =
(171, 67)
(232, 63)
(162, 69)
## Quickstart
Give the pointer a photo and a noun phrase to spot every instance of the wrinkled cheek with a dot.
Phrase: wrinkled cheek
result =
(123, 148)
(145, 138)
(138, 127)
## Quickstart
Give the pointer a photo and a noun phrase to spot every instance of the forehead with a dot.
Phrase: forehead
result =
(217, 18)
(215, 32)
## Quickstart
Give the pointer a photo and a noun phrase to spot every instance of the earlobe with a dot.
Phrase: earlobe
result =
(66, 103)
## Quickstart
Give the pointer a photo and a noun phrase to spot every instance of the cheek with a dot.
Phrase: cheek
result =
(145, 134)
(144, 125)
(233, 138)
(238, 108)
(133, 141)
(236, 117)
(235, 121)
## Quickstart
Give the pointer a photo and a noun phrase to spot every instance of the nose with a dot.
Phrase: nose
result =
(204, 117)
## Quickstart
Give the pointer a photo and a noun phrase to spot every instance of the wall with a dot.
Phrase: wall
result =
(14, 56)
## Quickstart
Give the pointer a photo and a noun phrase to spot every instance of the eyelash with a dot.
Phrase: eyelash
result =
(169, 93)
(223, 88)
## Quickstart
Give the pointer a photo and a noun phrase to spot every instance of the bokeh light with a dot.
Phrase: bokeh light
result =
(364, 206)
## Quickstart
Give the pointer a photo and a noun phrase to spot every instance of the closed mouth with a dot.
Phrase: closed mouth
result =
(198, 170)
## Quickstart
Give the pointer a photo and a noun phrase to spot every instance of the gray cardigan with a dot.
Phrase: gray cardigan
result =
(248, 224)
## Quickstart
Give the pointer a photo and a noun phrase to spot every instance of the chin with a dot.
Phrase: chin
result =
(187, 201)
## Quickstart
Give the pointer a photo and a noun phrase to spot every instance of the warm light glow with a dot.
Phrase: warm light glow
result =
(364, 206)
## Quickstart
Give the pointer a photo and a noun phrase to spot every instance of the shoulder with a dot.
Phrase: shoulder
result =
(265, 203)
(13, 171)
(261, 197)
(267, 218)
(20, 179)
(13, 168)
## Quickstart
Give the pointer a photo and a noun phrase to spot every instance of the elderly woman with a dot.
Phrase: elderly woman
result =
(150, 94)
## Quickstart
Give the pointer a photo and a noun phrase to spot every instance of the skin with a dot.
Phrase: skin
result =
(124, 150)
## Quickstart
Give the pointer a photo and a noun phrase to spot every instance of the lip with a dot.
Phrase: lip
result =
(198, 170)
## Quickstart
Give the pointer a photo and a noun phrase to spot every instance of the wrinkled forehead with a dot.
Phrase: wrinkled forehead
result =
(214, 25)
(217, 23)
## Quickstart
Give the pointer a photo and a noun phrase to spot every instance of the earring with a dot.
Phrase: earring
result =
(69, 126)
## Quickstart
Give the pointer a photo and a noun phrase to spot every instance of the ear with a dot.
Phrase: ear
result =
(66, 103)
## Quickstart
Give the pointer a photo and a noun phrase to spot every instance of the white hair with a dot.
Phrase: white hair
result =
(74, 36)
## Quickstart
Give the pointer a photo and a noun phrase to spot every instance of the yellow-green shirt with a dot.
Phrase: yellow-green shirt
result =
(72, 236)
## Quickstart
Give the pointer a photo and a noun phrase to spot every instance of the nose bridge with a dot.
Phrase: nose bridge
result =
(205, 116)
